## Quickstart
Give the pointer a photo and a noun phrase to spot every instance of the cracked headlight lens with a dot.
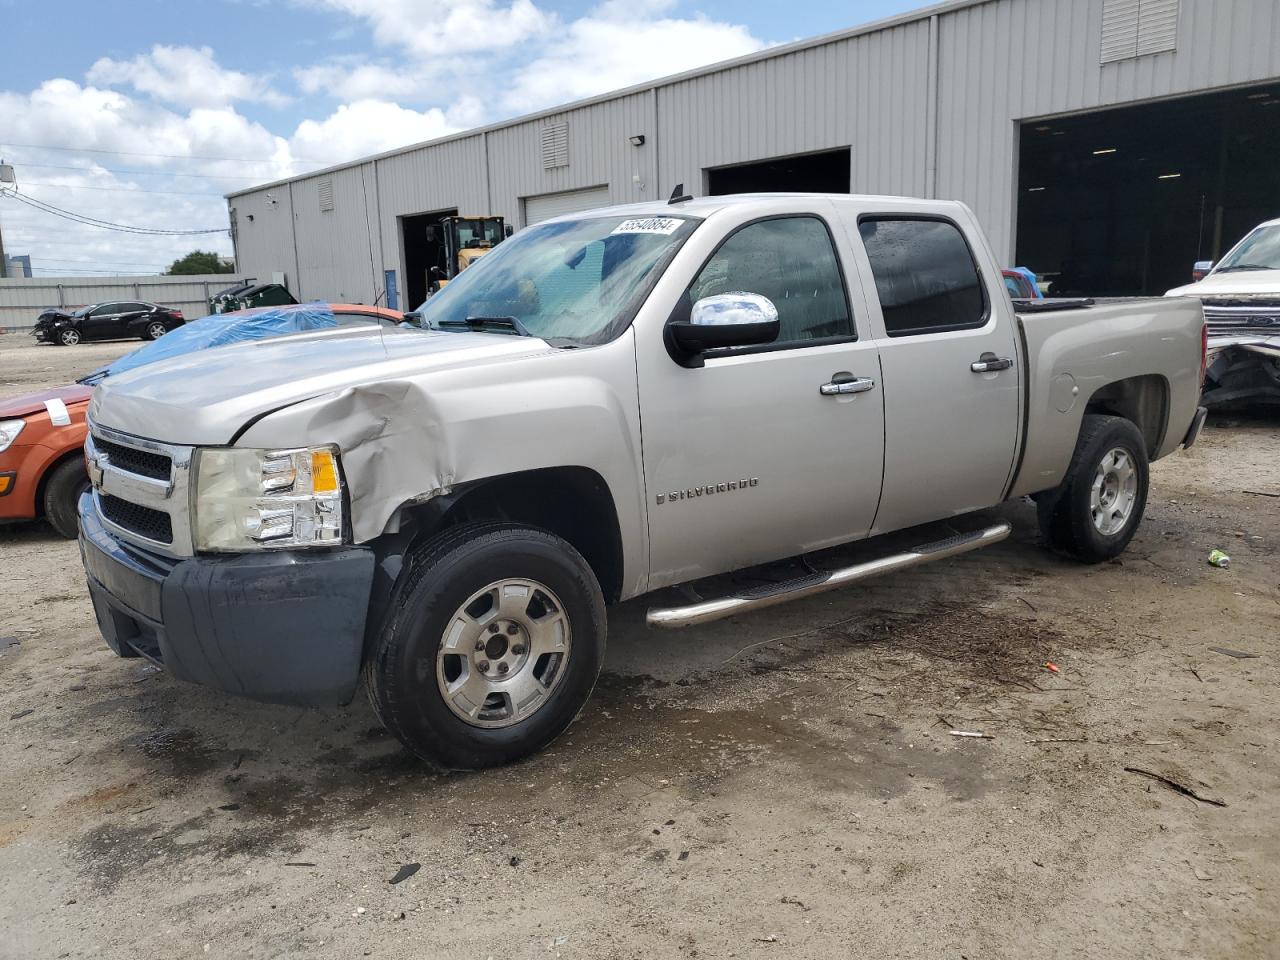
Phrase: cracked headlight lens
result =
(267, 499)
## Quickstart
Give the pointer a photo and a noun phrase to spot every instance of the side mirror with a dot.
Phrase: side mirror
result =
(1200, 269)
(722, 320)
(413, 318)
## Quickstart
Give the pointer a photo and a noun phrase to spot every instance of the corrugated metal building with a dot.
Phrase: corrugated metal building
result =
(1105, 142)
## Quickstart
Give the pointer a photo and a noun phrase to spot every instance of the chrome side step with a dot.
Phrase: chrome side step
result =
(761, 597)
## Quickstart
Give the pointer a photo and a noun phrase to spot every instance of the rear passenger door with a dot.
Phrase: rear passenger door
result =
(951, 428)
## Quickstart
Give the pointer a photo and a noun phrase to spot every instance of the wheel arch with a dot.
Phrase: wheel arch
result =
(572, 502)
(1143, 400)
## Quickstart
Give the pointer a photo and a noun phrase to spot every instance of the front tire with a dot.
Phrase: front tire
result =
(69, 337)
(62, 491)
(495, 638)
(1095, 512)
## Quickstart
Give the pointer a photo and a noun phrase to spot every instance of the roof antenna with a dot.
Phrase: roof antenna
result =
(678, 195)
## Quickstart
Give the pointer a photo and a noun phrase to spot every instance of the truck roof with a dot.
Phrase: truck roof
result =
(705, 206)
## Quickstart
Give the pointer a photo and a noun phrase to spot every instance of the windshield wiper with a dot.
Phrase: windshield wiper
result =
(486, 325)
(1245, 266)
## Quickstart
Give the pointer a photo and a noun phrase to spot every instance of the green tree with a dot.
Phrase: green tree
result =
(199, 261)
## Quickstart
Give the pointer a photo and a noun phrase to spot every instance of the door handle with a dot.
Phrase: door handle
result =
(990, 363)
(841, 387)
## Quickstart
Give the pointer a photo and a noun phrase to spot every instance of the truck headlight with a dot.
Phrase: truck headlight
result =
(9, 430)
(265, 499)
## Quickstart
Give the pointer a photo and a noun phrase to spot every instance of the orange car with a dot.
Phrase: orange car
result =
(42, 472)
(41, 462)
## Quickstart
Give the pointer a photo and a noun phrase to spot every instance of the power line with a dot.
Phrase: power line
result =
(118, 189)
(165, 156)
(104, 224)
(144, 173)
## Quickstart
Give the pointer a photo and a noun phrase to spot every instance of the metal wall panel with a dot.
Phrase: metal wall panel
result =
(927, 106)
(869, 93)
(1011, 60)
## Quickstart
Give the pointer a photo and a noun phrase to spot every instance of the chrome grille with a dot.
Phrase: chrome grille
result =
(141, 489)
(157, 466)
(1238, 315)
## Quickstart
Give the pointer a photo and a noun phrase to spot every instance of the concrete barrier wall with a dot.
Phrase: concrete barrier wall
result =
(22, 300)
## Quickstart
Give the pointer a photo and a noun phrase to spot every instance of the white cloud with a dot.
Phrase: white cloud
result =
(448, 27)
(369, 126)
(616, 46)
(185, 77)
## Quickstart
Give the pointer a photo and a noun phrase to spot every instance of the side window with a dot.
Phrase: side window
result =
(791, 261)
(925, 275)
(105, 309)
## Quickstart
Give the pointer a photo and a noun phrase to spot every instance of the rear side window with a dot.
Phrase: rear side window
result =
(925, 275)
(791, 261)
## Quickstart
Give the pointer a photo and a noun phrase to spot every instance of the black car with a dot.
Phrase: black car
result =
(117, 320)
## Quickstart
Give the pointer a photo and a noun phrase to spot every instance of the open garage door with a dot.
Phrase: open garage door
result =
(826, 172)
(1122, 202)
(423, 243)
(548, 205)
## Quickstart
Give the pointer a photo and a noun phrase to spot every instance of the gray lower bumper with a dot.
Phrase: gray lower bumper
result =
(283, 627)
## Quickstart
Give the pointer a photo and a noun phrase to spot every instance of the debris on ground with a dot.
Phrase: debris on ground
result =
(1260, 493)
(1219, 559)
(1238, 654)
(976, 735)
(560, 941)
(771, 938)
(1174, 785)
(299, 863)
(407, 871)
(684, 855)
(1051, 667)
(794, 902)
(6, 642)
(22, 713)
(515, 861)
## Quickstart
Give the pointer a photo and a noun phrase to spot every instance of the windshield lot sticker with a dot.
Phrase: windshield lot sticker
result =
(662, 225)
(58, 414)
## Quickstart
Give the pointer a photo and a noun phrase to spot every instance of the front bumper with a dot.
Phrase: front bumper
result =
(284, 627)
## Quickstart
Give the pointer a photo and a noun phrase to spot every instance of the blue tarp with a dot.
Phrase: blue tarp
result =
(221, 329)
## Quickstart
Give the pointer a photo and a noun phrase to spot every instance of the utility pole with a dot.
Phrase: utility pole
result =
(6, 177)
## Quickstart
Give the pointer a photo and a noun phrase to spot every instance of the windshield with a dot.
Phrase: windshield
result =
(84, 311)
(1260, 250)
(479, 233)
(572, 280)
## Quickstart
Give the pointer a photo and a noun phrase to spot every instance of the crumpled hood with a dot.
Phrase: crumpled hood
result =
(207, 397)
(1246, 283)
(30, 403)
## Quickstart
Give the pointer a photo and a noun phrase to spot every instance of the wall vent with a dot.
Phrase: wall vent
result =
(555, 145)
(1135, 28)
(326, 195)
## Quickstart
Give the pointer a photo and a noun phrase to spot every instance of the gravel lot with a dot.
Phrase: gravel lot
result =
(779, 785)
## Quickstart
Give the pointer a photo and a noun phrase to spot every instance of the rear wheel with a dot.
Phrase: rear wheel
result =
(61, 495)
(69, 337)
(493, 645)
(1095, 512)
(156, 330)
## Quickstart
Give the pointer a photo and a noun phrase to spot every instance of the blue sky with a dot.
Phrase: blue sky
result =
(144, 112)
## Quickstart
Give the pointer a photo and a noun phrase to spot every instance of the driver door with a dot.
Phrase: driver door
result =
(103, 323)
(747, 459)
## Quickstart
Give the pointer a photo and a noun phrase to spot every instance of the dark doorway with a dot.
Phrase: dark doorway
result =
(827, 172)
(423, 249)
(1123, 202)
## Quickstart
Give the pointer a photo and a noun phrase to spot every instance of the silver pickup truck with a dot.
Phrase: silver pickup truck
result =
(610, 403)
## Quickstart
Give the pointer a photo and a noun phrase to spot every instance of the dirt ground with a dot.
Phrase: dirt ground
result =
(783, 784)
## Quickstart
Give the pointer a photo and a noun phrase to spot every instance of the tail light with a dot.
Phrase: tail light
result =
(1204, 352)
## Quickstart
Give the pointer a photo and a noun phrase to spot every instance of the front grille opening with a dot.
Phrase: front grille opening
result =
(142, 462)
(154, 525)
